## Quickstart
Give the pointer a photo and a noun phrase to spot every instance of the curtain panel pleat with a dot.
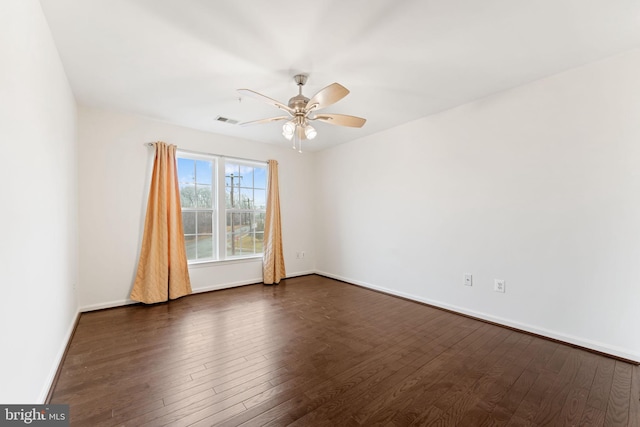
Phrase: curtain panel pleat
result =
(162, 272)
(273, 260)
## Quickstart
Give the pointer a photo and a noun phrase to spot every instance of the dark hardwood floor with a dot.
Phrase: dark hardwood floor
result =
(317, 352)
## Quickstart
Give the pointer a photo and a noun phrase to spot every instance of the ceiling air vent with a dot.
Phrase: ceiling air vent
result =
(226, 120)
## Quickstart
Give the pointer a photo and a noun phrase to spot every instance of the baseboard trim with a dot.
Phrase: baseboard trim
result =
(588, 345)
(218, 287)
(222, 286)
(47, 393)
(105, 305)
(302, 273)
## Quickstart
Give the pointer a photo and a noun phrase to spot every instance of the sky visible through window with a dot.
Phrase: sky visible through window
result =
(202, 170)
(251, 177)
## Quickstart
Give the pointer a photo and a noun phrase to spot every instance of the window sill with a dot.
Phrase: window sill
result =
(211, 263)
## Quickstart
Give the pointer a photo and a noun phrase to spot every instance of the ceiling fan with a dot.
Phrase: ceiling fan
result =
(302, 110)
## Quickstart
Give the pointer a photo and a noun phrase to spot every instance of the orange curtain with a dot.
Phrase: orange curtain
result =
(273, 260)
(162, 273)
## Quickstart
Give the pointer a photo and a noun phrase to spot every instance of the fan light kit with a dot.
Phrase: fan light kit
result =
(301, 110)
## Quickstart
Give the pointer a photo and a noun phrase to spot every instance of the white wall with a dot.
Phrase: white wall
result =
(38, 247)
(114, 172)
(539, 186)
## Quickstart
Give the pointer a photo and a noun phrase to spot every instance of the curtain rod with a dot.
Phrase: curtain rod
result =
(150, 144)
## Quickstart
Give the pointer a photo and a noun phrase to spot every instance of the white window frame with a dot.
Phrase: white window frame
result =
(222, 196)
(219, 204)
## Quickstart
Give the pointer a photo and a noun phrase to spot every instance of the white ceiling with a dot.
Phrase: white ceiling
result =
(181, 60)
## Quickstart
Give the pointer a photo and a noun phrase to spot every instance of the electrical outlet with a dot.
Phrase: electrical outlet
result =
(468, 279)
(498, 285)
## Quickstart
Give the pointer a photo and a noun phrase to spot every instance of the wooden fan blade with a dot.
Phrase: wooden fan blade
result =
(261, 97)
(269, 120)
(327, 96)
(340, 120)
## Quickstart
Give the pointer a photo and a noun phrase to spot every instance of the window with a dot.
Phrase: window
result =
(246, 202)
(197, 198)
(215, 230)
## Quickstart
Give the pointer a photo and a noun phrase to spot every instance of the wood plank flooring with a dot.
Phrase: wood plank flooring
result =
(317, 352)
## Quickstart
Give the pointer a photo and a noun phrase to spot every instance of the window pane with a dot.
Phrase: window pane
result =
(260, 177)
(259, 199)
(204, 222)
(232, 185)
(247, 221)
(239, 244)
(204, 199)
(259, 220)
(189, 222)
(229, 169)
(235, 221)
(190, 246)
(233, 244)
(246, 172)
(259, 242)
(188, 196)
(186, 171)
(246, 243)
(232, 177)
(246, 198)
(238, 227)
(205, 247)
(204, 171)
(232, 198)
